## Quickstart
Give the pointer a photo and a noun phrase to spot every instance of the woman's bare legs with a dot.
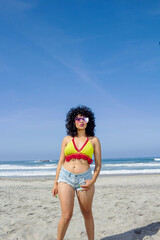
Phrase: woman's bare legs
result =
(85, 200)
(66, 195)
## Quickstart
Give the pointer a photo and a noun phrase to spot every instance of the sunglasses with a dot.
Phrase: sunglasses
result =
(85, 119)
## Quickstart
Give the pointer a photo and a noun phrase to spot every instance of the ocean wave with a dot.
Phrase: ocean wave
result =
(54, 166)
(27, 173)
(132, 165)
(42, 161)
(156, 159)
(22, 167)
(123, 172)
(53, 173)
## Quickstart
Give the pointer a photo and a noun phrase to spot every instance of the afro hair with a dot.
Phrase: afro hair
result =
(70, 122)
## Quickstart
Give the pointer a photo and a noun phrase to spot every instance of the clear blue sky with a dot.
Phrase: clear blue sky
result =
(55, 55)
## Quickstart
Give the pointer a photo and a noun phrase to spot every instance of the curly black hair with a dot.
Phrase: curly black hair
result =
(70, 123)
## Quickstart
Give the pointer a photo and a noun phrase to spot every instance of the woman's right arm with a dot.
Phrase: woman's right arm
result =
(60, 163)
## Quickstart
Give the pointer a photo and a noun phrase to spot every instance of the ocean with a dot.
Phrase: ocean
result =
(110, 166)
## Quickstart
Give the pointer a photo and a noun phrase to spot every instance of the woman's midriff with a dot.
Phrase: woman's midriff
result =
(76, 166)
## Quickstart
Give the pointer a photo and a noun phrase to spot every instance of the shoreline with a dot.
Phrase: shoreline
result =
(100, 176)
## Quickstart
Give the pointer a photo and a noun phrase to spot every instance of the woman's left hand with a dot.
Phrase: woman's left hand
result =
(88, 185)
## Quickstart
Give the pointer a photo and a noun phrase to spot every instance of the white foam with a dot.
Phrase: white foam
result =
(39, 161)
(121, 172)
(53, 173)
(54, 166)
(27, 173)
(22, 167)
(157, 159)
(132, 165)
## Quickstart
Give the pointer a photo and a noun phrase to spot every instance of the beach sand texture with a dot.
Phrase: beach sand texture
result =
(124, 208)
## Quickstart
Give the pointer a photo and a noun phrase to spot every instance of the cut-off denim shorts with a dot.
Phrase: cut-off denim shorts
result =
(74, 180)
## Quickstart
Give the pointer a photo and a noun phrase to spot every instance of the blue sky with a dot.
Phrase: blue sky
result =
(55, 55)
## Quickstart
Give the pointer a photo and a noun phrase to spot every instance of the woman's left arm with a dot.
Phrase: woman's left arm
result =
(97, 157)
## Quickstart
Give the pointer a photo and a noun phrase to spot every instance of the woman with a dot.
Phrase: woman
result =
(73, 171)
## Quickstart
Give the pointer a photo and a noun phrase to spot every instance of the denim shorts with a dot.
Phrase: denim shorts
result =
(74, 180)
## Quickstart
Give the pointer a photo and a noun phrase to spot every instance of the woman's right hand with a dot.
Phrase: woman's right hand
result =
(55, 190)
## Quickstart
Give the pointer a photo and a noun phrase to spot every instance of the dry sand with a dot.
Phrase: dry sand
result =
(124, 208)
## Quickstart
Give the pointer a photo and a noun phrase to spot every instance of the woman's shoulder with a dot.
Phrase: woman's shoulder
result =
(67, 139)
(93, 138)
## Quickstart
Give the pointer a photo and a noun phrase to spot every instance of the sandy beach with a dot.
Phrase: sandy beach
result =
(124, 208)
